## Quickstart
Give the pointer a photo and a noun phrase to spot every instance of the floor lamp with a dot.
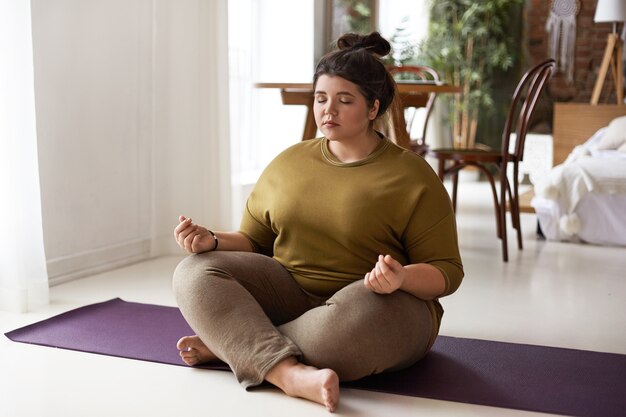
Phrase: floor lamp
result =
(613, 11)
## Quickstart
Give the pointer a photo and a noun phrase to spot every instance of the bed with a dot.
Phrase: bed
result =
(583, 199)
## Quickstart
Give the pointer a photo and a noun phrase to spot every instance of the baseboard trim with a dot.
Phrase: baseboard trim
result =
(69, 268)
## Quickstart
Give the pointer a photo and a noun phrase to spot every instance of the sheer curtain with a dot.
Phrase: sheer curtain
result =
(23, 275)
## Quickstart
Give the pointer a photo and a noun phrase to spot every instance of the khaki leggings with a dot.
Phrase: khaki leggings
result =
(250, 313)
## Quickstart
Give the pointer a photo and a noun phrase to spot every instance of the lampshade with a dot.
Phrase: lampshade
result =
(610, 11)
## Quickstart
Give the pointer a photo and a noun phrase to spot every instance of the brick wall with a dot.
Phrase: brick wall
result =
(590, 44)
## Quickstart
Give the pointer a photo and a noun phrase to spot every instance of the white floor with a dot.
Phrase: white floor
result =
(556, 294)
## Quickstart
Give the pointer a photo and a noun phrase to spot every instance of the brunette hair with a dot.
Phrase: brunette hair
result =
(358, 60)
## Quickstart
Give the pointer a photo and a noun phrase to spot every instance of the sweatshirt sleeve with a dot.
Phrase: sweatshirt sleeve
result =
(257, 229)
(431, 236)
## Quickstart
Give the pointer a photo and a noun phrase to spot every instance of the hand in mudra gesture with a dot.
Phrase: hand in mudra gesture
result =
(386, 276)
(192, 237)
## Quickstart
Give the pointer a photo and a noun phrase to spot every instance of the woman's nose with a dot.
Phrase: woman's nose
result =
(330, 108)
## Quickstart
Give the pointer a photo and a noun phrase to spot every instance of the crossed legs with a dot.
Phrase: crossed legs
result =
(248, 311)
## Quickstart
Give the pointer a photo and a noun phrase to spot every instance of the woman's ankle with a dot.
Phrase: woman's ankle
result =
(299, 380)
(281, 374)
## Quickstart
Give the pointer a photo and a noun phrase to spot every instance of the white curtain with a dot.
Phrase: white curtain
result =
(23, 275)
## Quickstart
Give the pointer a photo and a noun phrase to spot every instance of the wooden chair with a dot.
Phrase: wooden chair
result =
(522, 107)
(415, 102)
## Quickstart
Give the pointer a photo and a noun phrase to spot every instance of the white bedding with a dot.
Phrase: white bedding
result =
(584, 199)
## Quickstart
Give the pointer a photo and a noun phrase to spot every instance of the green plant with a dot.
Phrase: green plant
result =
(468, 43)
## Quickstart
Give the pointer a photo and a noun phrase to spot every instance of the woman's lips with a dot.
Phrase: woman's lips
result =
(330, 124)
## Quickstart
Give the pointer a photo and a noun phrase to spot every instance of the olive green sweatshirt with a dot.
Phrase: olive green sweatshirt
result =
(326, 221)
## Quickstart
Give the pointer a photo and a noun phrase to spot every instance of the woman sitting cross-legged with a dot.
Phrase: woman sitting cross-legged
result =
(346, 243)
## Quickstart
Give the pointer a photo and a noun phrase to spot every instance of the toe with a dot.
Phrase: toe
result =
(182, 343)
(329, 401)
(190, 360)
(188, 354)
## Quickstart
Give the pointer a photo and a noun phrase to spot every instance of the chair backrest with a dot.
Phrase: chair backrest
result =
(525, 98)
(417, 72)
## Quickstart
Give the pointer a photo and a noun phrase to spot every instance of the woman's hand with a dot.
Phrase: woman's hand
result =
(192, 237)
(386, 277)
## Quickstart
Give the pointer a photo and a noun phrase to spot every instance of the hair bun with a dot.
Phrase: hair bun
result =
(373, 43)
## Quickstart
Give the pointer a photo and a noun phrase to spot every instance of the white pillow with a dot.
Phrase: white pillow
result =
(622, 148)
(592, 143)
(615, 134)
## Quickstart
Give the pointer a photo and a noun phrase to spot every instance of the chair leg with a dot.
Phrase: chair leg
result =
(503, 190)
(496, 205)
(515, 219)
(518, 223)
(455, 187)
(513, 194)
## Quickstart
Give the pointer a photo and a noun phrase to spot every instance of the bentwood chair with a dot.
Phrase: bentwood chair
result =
(415, 102)
(451, 161)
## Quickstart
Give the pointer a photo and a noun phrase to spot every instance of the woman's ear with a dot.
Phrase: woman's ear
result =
(373, 110)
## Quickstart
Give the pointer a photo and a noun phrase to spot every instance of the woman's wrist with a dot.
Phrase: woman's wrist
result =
(215, 239)
(423, 281)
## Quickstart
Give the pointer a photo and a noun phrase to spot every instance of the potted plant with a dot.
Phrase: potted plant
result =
(469, 43)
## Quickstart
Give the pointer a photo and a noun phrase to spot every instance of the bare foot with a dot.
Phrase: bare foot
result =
(194, 351)
(299, 380)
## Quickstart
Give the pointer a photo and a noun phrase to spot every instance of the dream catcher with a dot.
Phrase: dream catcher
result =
(561, 26)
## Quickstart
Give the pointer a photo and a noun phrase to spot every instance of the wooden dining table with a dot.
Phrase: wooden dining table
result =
(412, 94)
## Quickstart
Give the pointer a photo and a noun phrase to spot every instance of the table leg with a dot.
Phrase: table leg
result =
(310, 128)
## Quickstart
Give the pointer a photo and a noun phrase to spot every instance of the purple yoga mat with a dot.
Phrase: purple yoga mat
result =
(509, 375)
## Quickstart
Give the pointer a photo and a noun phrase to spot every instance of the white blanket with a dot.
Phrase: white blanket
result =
(571, 181)
(585, 171)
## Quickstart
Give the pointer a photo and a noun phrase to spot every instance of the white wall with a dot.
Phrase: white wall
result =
(132, 123)
(191, 117)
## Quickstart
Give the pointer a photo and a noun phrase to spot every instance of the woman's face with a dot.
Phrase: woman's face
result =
(341, 112)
